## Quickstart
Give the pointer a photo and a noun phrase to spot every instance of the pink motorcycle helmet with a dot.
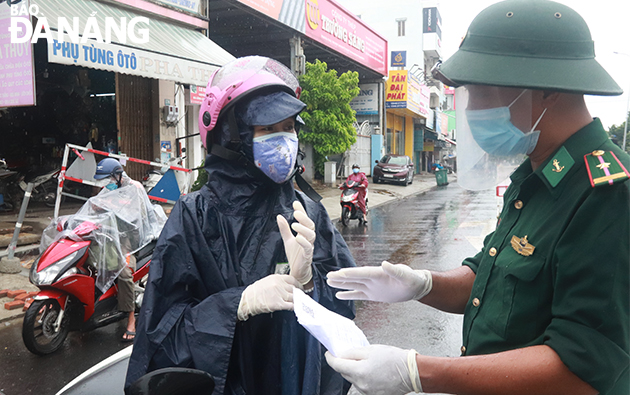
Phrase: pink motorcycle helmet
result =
(237, 80)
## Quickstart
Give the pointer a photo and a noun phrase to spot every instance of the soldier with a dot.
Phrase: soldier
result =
(546, 301)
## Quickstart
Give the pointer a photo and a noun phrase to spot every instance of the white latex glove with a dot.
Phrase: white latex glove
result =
(269, 294)
(378, 369)
(387, 283)
(299, 249)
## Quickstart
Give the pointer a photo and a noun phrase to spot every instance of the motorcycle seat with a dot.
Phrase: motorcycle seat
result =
(146, 250)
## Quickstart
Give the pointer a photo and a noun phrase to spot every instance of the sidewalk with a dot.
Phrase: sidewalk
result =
(39, 218)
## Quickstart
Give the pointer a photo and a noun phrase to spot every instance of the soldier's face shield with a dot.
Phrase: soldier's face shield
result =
(494, 133)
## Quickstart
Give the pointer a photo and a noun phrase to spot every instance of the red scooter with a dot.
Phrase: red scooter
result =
(69, 300)
(350, 202)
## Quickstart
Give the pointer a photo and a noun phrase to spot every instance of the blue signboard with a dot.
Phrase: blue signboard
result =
(396, 104)
(399, 59)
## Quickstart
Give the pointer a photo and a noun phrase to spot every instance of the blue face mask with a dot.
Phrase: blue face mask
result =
(111, 186)
(355, 171)
(493, 130)
(275, 155)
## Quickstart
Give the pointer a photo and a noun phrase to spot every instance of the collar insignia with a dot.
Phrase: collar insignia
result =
(558, 167)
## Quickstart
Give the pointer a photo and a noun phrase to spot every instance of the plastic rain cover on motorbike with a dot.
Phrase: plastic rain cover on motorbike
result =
(476, 168)
(125, 222)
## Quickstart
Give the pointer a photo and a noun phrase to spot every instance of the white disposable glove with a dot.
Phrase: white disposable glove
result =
(378, 369)
(299, 249)
(271, 293)
(387, 283)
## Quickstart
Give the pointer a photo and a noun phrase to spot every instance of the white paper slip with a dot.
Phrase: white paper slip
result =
(336, 332)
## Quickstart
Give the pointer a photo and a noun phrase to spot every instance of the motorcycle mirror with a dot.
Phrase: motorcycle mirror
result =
(173, 381)
(376, 161)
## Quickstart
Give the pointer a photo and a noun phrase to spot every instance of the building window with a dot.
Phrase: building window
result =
(401, 26)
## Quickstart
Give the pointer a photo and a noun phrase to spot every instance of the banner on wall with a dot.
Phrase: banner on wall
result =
(366, 103)
(17, 69)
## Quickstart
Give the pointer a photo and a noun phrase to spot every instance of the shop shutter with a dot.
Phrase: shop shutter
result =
(135, 121)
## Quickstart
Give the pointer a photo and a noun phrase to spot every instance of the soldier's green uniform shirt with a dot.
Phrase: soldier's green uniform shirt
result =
(571, 293)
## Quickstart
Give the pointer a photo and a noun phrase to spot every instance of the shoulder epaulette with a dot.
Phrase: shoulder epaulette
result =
(604, 168)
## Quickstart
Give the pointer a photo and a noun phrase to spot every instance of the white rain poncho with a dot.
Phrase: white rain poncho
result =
(125, 222)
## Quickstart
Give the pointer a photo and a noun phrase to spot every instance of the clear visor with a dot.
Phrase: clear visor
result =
(495, 133)
(247, 68)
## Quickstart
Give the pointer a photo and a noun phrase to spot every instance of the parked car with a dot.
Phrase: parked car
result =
(393, 168)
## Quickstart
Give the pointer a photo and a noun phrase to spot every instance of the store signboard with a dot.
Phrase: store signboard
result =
(396, 89)
(288, 12)
(188, 5)
(197, 93)
(127, 60)
(330, 24)
(413, 91)
(17, 76)
(430, 119)
(431, 21)
(424, 101)
(269, 8)
(398, 59)
(404, 90)
(366, 103)
(444, 123)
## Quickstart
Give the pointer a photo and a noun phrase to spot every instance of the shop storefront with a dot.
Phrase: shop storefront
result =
(407, 105)
(96, 84)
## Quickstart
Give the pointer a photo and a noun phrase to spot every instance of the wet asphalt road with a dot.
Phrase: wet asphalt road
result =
(24, 373)
(434, 231)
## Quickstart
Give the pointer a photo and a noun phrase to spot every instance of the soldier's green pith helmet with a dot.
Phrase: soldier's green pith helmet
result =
(536, 44)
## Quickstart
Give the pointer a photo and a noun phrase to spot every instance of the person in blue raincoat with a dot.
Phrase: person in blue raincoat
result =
(220, 290)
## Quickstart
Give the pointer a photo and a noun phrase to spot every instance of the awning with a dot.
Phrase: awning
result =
(430, 134)
(450, 141)
(172, 52)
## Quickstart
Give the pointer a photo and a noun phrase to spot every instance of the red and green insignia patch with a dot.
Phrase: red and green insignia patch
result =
(604, 168)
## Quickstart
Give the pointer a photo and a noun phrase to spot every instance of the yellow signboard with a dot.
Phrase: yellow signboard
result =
(396, 89)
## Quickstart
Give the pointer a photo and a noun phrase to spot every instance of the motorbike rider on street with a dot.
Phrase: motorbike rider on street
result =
(360, 178)
(112, 169)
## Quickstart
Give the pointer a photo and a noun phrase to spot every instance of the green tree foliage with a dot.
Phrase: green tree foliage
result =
(328, 117)
(615, 132)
